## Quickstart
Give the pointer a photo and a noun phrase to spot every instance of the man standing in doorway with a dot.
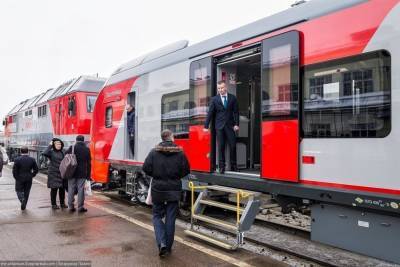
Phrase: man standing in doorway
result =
(131, 127)
(224, 109)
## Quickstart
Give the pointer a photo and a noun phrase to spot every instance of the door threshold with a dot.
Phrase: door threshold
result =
(244, 173)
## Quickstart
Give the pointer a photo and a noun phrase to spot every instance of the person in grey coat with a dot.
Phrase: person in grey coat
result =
(54, 152)
(82, 173)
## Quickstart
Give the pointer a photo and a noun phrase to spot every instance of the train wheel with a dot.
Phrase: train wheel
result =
(141, 190)
(184, 206)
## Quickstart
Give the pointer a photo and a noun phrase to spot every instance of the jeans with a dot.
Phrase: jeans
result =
(61, 194)
(75, 185)
(165, 231)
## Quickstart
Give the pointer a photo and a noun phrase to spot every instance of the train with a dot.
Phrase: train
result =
(63, 112)
(318, 88)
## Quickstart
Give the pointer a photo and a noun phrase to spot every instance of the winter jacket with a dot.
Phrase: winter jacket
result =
(167, 164)
(54, 179)
(25, 168)
(131, 122)
(1, 161)
(82, 154)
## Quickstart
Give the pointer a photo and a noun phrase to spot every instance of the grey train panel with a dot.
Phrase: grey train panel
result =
(357, 230)
(307, 11)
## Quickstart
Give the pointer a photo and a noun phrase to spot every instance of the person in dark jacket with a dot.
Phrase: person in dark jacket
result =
(224, 109)
(81, 174)
(167, 164)
(131, 127)
(24, 169)
(1, 163)
(54, 152)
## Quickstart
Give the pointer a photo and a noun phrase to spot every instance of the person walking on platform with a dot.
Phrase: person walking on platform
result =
(224, 109)
(54, 152)
(82, 173)
(167, 164)
(24, 169)
(1, 163)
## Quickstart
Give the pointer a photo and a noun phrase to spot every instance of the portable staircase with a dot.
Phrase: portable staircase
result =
(245, 215)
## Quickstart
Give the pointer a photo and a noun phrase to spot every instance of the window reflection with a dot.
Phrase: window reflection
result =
(348, 97)
(175, 113)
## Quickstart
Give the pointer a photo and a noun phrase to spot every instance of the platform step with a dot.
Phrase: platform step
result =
(230, 189)
(210, 239)
(220, 205)
(214, 221)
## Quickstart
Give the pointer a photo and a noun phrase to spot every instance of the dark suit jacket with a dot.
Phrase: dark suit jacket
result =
(25, 168)
(228, 116)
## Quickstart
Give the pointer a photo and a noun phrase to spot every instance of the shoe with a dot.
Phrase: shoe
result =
(163, 252)
(72, 209)
(81, 210)
(63, 206)
(55, 207)
(234, 168)
(23, 206)
(221, 170)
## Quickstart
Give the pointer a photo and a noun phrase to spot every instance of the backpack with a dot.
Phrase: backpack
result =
(68, 165)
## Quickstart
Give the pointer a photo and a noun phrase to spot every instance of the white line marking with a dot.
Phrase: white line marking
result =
(179, 239)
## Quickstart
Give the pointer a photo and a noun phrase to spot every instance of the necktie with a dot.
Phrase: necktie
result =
(225, 102)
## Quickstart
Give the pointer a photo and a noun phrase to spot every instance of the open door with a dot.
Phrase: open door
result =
(280, 107)
(200, 142)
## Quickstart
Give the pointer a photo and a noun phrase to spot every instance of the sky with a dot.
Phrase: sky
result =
(44, 43)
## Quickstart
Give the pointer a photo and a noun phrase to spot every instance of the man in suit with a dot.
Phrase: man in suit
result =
(24, 169)
(224, 109)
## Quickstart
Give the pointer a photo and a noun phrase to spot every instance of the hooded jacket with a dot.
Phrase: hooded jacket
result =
(54, 179)
(167, 164)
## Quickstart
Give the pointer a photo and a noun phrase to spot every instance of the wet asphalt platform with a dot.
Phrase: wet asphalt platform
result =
(109, 234)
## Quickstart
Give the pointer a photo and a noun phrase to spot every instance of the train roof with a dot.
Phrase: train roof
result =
(179, 51)
(82, 83)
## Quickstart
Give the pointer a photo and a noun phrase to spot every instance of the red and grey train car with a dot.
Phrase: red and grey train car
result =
(318, 92)
(64, 112)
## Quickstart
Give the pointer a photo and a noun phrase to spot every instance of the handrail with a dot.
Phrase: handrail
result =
(239, 194)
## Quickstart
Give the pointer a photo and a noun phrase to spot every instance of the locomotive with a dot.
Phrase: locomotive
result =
(63, 112)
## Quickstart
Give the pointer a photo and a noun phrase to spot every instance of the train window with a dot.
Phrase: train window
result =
(348, 98)
(200, 90)
(280, 77)
(90, 101)
(42, 111)
(108, 120)
(175, 113)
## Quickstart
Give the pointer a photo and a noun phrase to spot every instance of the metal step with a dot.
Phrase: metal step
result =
(210, 239)
(214, 221)
(220, 205)
(230, 189)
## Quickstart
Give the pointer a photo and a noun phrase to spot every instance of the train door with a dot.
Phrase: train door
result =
(200, 142)
(241, 73)
(131, 140)
(280, 107)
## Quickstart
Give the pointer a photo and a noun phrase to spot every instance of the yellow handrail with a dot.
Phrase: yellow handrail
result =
(193, 187)
(239, 194)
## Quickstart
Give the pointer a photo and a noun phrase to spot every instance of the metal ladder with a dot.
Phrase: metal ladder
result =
(245, 216)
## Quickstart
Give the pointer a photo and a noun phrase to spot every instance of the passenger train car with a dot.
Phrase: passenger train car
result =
(318, 87)
(64, 112)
